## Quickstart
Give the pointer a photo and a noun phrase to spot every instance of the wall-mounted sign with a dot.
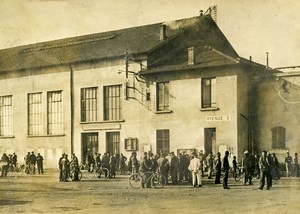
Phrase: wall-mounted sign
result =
(217, 118)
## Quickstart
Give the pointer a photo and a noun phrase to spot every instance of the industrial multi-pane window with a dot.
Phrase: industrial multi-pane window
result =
(112, 102)
(208, 92)
(89, 104)
(162, 90)
(55, 113)
(6, 116)
(162, 141)
(35, 114)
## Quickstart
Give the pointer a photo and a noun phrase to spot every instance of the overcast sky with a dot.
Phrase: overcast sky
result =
(253, 27)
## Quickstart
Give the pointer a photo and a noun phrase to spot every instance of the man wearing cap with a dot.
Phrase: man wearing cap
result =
(174, 168)
(32, 159)
(218, 168)
(248, 166)
(39, 162)
(225, 168)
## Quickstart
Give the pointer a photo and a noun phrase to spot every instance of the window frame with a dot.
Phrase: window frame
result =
(6, 116)
(112, 102)
(35, 114)
(89, 104)
(57, 127)
(163, 138)
(208, 93)
(163, 96)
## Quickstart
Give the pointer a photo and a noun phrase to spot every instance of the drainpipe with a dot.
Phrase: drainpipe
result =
(72, 108)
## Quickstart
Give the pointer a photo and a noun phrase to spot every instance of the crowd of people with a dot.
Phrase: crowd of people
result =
(9, 163)
(193, 167)
(71, 168)
(185, 167)
(31, 161)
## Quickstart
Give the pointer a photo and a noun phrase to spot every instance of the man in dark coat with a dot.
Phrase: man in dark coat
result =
(32, 159)
(39, 162)
(218, 168)
(5, 164)
(174, 168)
(225, 168)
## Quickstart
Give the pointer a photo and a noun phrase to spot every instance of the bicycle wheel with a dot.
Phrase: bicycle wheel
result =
(135, 181)
(158, 181)
(105, 172)
(31, 169)
(79, 175)
(237, 177)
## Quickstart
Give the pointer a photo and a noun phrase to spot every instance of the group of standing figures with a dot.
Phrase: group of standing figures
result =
(72, 169)
(192, 167)
(9, 163)
(184, 167)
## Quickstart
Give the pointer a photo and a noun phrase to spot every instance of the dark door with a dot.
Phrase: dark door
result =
(113, 142)
(210, 141)
(90, 145)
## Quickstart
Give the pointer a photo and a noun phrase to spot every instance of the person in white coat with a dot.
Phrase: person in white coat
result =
(195, 168)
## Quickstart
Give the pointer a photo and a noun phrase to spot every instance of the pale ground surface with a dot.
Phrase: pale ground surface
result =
(21, 193)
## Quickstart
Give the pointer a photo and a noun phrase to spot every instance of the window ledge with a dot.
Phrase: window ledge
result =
(164, 112)
(5, 137)
(210, 109)
(49, 135)
(103, 121)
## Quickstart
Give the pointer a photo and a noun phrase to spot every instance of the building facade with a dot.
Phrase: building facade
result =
(176, 86)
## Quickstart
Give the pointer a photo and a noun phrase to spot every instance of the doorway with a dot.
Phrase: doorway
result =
(210, 141)
(90, 145)
(113, 142)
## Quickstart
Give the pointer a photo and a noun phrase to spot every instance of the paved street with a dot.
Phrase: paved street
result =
(21, 193)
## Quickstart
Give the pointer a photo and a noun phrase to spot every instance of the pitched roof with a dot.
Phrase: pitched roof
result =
(138, 40)
(90, 47)
(205, 57)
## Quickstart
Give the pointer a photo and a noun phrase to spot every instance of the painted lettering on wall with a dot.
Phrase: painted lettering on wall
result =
(218, 118)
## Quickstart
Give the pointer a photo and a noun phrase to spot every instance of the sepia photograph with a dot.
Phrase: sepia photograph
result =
(163, 106)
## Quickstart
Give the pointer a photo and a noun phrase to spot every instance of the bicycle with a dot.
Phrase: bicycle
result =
(72, 173)
(30, 169)
(157, 180)
(94, 173)
(16, 168)
(239, 174)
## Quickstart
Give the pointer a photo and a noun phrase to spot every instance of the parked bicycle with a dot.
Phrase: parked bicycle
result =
(92, 172)
(156, 179)
(97, 173)
(30, 169)
(17, 168)
(72, 173)
(239, 174)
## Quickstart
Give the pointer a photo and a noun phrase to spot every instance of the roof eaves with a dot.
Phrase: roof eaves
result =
(180, 68)
(247, 62)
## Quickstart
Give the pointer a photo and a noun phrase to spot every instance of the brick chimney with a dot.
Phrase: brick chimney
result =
(163, 32)
(191, 56)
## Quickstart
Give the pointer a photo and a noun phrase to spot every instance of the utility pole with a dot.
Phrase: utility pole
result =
(126, 64)
(126, 73)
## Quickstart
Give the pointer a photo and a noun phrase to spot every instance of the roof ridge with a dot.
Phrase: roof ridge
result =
(236, 60)
(88, 35)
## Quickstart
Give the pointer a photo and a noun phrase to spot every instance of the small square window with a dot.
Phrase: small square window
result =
(131, 144)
